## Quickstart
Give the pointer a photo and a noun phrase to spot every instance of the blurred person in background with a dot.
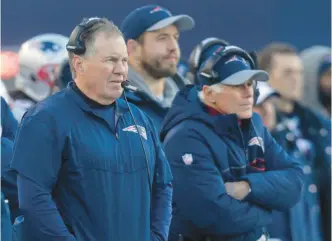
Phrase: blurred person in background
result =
(9, 69)
(8, 129)
(265, 105)
(303, 221)
(63, 76)
(285, 69)
(317, 79)
(39, 58)
(152, 36)
(183, 68)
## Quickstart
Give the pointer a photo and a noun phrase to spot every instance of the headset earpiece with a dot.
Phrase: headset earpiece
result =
(75, 44)
(195, 55)
(207, 74)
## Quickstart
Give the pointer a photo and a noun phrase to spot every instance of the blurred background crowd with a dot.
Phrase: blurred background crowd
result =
(291, 38)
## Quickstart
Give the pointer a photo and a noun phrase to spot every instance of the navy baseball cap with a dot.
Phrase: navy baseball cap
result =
(233, 70)
(150, 18)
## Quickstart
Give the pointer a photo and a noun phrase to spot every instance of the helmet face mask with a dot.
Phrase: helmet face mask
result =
(39, 59)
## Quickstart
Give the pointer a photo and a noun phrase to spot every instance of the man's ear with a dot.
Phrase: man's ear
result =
(208, 94)
(78, 64)
(132, 46)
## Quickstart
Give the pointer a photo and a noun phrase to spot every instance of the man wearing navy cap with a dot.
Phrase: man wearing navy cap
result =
(152, 35)
(228, 172)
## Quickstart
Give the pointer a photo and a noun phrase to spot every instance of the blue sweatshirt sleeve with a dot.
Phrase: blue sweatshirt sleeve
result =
(199, 190)
(37, 160)
(161, 211)
(162, 192)
(280, 186)
(40, 212)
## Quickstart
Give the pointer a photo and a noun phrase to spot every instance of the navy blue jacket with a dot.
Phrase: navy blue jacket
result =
(83, 174)
(204, 153)
(6, 226)
(303, 221)
(151, 107)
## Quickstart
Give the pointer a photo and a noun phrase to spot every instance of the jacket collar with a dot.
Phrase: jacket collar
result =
(120, 104)
(222, 123)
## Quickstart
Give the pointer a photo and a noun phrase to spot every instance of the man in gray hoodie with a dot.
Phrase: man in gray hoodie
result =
(152, 35)
(317, 79)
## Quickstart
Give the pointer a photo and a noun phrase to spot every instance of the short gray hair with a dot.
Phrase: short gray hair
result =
(88, 37)
(216, 88)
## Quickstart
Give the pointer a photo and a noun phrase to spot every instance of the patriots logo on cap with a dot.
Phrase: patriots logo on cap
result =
(236, 58)
(47, 46)
(158, 8)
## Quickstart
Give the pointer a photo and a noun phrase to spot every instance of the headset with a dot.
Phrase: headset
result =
(77, 46)
(207, 74)
(75, 43)
(196, 54)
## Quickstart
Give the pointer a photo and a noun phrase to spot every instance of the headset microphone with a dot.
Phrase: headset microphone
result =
(127, 86)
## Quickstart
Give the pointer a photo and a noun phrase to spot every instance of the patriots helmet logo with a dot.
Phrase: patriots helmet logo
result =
(47, 46)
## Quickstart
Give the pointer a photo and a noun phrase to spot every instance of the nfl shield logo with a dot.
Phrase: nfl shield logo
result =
(187, 159)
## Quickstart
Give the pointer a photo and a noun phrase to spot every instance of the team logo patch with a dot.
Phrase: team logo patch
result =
(158, 9)
(236, 58)
(141, 129)
(47, 47)
(187, 159)
(258, 141)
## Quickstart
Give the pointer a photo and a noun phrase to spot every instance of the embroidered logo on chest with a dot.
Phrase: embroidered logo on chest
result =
(257, 141)
(141, 130)
(187, 159)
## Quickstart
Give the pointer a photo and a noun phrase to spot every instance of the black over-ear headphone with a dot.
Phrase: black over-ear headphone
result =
(195, 55)
(207, 74)
(75, 44)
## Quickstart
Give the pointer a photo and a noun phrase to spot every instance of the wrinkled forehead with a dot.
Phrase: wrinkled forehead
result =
(170, 30)
(108, 44)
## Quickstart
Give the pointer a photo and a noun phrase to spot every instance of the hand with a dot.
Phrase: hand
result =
(237, 190)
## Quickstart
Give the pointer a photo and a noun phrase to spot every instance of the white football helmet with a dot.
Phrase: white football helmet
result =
(4, 93)
(39, 58)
